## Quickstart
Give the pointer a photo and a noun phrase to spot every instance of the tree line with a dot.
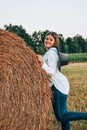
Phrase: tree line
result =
(76, 44)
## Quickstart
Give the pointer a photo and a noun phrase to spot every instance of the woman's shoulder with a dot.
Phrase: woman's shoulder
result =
(52, 50)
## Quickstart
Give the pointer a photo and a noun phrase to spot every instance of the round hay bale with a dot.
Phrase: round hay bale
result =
(24, 88)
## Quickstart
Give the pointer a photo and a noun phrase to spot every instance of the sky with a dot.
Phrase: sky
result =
(66, 17)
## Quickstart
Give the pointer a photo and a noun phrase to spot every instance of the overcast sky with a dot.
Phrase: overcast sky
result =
(67, 17)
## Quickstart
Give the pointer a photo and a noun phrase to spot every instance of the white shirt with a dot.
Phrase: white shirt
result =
(50, 60)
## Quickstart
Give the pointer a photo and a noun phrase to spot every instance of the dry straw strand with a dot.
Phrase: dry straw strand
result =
(24, 86)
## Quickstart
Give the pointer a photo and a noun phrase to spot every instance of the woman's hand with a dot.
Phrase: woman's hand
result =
(40, 59)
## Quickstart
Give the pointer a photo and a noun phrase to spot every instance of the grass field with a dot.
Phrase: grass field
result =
(77, 100)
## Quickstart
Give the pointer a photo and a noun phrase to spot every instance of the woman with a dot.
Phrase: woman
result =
(58, 82)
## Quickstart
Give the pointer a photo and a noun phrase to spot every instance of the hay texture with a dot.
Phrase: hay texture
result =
(24, 88)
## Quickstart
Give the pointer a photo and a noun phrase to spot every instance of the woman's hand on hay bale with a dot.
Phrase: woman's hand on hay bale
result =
(40, 59)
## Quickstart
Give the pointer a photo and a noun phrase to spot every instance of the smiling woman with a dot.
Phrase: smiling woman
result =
(59, 83)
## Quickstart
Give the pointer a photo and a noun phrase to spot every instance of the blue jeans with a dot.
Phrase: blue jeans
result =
(59, 102)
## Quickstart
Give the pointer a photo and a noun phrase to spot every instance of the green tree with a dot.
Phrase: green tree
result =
(20, 31)
(62, 43)
(38, 41)
(69, 44)
(75, 45)
(82, 43)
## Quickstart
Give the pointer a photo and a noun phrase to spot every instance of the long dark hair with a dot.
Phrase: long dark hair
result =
(55, 36)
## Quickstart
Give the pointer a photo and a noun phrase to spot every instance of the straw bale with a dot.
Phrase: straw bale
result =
(24, 89)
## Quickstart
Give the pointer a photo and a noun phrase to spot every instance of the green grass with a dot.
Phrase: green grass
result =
(77, 100)
(78, 57)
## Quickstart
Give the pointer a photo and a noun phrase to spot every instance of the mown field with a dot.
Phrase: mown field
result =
(77, 100)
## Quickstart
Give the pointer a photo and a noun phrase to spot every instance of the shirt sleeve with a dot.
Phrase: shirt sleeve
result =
(51, 65)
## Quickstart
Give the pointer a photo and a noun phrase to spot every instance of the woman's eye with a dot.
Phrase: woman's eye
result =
(46, 38)
(51, 39)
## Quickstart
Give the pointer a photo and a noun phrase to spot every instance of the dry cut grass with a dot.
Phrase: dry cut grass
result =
(24, 86)
(77, 101)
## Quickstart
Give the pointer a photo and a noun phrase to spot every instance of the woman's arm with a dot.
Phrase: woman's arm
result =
(40, 59)
(51, 65)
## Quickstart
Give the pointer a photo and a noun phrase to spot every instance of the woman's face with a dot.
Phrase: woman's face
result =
(49, 41)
